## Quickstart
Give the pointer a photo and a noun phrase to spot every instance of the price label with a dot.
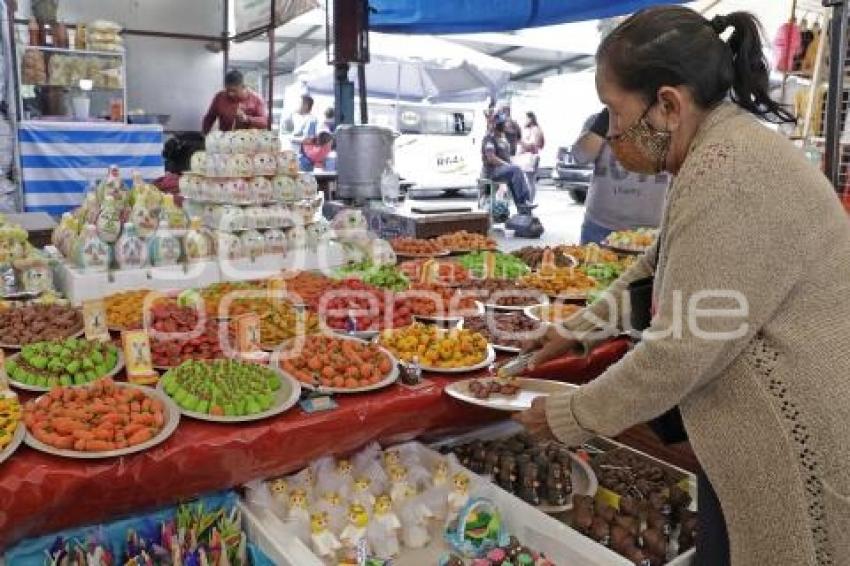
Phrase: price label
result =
(248, 333)
(489, 265)
(430, 271)
(94, 320)
(137, 356)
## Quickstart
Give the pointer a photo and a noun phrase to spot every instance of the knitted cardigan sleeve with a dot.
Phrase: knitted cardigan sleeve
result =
(604, 318)
(724, 272)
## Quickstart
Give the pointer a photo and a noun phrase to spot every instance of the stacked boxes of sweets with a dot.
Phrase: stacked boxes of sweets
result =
(127, 228)
(252, 194)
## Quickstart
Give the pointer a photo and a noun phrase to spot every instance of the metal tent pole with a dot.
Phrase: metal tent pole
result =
(837, 56)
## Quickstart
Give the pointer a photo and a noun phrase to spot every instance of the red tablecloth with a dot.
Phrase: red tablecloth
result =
(41, 493)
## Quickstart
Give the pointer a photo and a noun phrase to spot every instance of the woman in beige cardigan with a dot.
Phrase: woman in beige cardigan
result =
(750, 334)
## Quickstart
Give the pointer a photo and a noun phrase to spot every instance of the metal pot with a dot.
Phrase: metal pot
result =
(362, 155)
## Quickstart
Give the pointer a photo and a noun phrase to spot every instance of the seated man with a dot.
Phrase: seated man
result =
(496, 154)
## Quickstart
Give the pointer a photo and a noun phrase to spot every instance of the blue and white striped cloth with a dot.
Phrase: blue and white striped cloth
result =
(61, 159)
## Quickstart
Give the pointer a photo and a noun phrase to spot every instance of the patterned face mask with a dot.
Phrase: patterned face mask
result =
(641, 148)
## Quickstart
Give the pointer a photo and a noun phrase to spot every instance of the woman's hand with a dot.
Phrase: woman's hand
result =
(534, 421)
(549, 346)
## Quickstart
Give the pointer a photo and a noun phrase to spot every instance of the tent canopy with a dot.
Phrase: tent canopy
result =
(428, 68)
(465, 16)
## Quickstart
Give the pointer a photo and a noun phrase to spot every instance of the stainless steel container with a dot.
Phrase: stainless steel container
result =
(362, 154)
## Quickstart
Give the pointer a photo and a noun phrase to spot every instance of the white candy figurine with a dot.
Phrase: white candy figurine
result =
(355, 530)
(362, 494)
(325, 544)
(279, 489)
(298, 514)
(383, 529)
(441, 473)
(459, 495)
(398, 483)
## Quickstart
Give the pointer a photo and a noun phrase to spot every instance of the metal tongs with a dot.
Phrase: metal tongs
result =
(515, 366)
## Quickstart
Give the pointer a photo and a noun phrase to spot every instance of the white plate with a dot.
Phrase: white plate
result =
(386, 382)
(530, 389)
(172, 412)
(363, 335)
(509, 349)
(285, 398)
(506, 308)
(17, 438)
(119, 365)
(76, 334)
(491, 356)
(533, 312)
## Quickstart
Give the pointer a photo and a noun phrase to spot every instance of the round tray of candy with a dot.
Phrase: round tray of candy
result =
(248, 392)
(329, 364)
(155, 420)
(12, 429)
(81, 373)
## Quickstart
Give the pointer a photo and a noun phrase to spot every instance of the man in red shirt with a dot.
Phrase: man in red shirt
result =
(236, 107)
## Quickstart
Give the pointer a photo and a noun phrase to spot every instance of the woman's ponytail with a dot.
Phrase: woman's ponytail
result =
(674, 45)
(751, 80)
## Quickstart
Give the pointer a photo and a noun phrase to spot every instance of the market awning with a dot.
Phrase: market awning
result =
(465, 16)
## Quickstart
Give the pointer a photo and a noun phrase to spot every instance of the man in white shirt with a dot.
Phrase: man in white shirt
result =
(304, 126)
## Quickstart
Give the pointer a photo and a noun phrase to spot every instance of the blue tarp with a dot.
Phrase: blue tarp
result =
(473, 16)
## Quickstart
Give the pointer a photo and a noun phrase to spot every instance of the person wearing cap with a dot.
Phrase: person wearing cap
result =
(496, 155)
(236, 107)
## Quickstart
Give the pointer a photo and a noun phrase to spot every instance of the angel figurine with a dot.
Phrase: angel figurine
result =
(344, 468)
(459, 495)
(325, 544)
(355, 531)
(298, 514)
(383, 529)
(441, 473)
(398, 483)
(363, 492)
(414, 520)
(279, 489)
(391, 459)
(332, 503)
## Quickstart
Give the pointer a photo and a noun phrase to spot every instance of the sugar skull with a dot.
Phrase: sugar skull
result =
(199, 162)
(241, 141)
(265, 164)
(287, 163)
(261, 190)
(268, 142)
(214, 141)
(275, 241)
(283, 188)
(230, 219)
(217, 190)
(240, 165)
(306, 186)
(234, 191)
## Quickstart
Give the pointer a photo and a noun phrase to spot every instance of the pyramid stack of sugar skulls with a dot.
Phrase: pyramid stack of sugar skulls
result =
(251, 194)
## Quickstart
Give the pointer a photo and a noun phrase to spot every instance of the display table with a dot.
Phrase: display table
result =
(41, 494)
(404, 221)
(60, 159)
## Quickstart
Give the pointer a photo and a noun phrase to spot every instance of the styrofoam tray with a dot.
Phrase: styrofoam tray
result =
(530, 389)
